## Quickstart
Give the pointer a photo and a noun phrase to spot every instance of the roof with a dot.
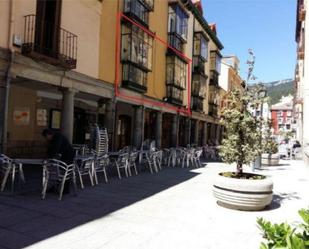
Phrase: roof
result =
(199, 16)
(282, 106)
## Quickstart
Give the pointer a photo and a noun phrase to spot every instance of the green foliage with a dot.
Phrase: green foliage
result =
(275, 92)
(242, 130)
(284, 236)
(269, 145)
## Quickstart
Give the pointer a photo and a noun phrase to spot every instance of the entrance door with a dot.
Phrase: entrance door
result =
(47, 27)
(80, 124)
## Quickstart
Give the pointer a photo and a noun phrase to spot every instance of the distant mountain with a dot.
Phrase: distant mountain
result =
(277, 89)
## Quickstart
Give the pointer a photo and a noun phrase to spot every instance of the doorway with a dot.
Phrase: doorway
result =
(48, 14)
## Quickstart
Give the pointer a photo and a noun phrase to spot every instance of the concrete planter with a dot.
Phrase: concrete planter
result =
(270, 159)
(243, 194)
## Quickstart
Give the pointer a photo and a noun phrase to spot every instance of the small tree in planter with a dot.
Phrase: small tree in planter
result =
(241, 145)
(242, 132)
(270, 147)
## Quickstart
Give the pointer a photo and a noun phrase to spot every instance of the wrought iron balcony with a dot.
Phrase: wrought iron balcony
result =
(49, 43)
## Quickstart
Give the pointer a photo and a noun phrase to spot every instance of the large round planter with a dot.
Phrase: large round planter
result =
(270, 159)
(243, 194)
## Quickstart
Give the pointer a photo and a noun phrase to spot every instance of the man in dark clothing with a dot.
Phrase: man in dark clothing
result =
(58, 147)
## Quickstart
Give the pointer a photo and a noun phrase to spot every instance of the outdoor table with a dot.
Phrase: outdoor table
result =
(20, 162)
(29, 161)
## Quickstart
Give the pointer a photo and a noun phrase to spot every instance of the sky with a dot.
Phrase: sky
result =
(266, 26)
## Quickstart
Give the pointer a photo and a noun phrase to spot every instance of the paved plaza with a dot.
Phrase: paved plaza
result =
(172, 209)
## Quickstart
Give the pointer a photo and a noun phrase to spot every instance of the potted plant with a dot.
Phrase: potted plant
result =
(270, 147)
(241, 145)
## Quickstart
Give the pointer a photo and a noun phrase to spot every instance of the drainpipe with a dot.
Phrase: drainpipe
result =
(8, 78)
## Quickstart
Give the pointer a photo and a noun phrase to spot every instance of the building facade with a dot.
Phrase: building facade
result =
(49, 72)
(282, 117)
(144, 69)
(161, 72)
(301, 99)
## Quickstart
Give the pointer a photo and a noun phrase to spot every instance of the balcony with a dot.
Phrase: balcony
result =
(176, 41)
(134, 78)
(46, 42)
(214, 78)
(198, 86)
(198, 65)
(212, 109)
(177, 26)
(138, 10)
(174, 95)
(197, 104)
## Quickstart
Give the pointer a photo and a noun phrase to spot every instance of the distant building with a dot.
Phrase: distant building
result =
(282, 116)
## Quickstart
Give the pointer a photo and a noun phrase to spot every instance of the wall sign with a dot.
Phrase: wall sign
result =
(41, 117)
(21, 116)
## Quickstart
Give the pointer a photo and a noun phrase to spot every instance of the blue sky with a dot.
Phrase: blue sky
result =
(266, 26)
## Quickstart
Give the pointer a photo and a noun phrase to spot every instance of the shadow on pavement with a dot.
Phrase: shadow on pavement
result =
(26, 219)
(279, 198)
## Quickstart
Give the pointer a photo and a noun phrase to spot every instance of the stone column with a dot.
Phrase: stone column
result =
(138, 126)
(3, 113)
(204, 135)
(158, 131)
(67, 117)
(218, 131)
(196, 132)
(175, 126)
(109, 121)
(188, 131)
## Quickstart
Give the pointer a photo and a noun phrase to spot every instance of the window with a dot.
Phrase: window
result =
(200, 46)
(134, 75)
(137, 9)
(177, 26)
(176, 72)
(178, 21)
(136, 46)
(289, 113)
(215, 61)
(175, 93)
(198, 86)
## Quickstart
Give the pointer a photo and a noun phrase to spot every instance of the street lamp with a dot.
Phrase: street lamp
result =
(262, 93)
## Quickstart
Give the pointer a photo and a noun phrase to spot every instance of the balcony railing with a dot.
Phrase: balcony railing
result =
(174, 95)
(134, 78)
(197, 104)
(176, 41)
(138, 10)
(49, 43)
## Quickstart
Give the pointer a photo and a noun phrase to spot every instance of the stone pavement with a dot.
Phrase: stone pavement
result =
(172, 209)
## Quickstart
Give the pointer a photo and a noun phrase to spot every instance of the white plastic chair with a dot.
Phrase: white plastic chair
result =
(9, 167)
